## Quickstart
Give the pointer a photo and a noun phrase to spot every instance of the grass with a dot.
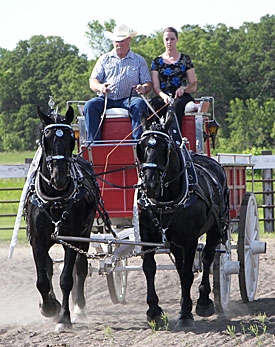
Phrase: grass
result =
(14, 195)
(108, 332)
(257, 330)
(19, 157)
(15, 157)
(165, 323)
(5, 235)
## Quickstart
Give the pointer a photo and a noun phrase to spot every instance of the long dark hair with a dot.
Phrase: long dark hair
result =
(170, 30)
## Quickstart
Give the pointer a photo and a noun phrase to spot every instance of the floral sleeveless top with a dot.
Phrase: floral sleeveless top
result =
(172, 76)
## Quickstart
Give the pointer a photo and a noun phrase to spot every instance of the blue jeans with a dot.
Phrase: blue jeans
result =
(93, 110)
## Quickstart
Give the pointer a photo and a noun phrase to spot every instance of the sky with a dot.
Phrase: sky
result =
(22, 19)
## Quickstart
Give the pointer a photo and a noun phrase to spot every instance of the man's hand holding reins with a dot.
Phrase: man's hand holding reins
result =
(104, 88)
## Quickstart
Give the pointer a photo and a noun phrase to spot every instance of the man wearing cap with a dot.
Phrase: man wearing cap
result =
(115, 73)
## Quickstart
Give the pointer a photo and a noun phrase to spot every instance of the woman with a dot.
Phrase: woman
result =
(173, 73)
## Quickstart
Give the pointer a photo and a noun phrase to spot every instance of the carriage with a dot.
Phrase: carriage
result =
(114, 160)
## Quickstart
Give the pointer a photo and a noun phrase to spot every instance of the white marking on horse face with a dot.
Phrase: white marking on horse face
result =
(59, 133)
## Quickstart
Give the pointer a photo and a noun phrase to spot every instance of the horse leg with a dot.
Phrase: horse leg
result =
(80, 274)
(205, 306)
(149, 268)
(49, 307)
(184, 263)
(66, 284)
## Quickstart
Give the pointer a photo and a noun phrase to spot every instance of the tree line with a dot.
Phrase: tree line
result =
(235, 66)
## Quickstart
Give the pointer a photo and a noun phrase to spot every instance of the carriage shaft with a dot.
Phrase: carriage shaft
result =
(112, 241)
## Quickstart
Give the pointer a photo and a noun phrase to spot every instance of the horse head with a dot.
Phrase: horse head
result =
(57, 141)
(158, 157)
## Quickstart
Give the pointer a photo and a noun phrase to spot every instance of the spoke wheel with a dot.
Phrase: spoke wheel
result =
(117, 283)
(221, 279)
(248, 236)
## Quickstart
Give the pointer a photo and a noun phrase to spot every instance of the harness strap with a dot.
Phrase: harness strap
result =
(47, 199)
(116, 170)
(58, 157)
(134, 186)
(213, 208)
(88, 169)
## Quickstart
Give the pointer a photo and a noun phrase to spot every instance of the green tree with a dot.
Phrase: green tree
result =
(96, 35)
(236, 66)
(250, 124)
(37, 68)
(255, 59)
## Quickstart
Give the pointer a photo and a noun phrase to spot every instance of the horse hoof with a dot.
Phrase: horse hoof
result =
(184, 324)
(79, 315)
(51, 310)
(63, 327)
(158, 322)
(205, 310)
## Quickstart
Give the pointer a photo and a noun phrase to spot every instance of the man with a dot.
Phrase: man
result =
(115, 73)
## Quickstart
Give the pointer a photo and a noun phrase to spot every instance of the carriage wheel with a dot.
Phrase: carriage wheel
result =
(117, 283)
(221, 277)
(248, 242)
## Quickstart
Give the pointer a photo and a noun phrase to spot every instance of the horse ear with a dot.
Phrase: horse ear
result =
(45, 119)
(143, 120)
(69, 116)
(169, 119)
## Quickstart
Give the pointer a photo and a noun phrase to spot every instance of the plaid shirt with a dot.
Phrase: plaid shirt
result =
(121, 74)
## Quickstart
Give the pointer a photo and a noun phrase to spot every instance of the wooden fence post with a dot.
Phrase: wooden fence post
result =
(268, 198)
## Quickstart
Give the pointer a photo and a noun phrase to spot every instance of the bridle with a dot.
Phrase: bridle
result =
(152, 142)
(50, 158)
(162, 168)
(183, 194)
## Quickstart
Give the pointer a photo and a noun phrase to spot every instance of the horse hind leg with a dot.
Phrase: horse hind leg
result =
(205, 306)
(79, 275)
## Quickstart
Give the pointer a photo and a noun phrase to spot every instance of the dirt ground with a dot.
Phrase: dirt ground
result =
(21, 323)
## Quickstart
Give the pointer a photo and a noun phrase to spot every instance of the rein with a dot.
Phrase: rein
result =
(117, 170)
(103, 115)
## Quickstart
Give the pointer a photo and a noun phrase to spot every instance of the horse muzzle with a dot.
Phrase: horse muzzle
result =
(152, 188)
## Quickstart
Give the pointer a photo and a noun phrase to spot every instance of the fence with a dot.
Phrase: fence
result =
(268, 196)
(265, 163)
(12, 171)
(8, 202)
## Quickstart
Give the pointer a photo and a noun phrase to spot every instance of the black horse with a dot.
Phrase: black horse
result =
(62, 200)
(180, 198)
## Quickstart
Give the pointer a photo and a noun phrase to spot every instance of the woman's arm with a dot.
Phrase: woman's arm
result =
(156, 87)
(192, 81)
(191, 86)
